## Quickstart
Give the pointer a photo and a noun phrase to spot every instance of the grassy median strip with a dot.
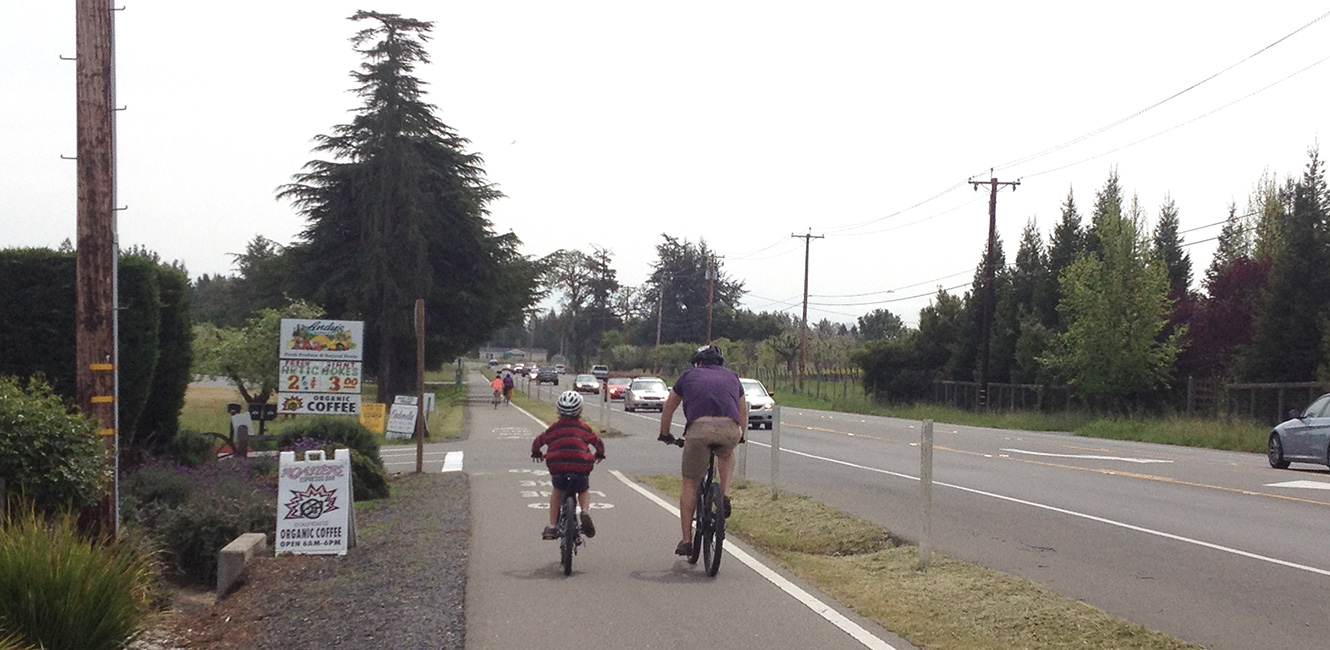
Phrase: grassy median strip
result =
(952, 606)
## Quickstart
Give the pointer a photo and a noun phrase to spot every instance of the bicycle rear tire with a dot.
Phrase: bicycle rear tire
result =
(714, 537)
(568, 519)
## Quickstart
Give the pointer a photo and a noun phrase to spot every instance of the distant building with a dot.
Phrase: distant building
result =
(513, 355)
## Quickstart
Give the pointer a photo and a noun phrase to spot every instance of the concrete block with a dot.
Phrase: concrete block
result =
(231, 560)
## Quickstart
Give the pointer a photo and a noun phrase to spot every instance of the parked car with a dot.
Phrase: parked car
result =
(547, 375)
(1304, 437)
(601, 372)
(761, 405)
(645, 393)
(617, 386)
(586, 384)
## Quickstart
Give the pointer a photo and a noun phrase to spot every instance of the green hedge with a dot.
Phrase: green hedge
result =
(38, 335)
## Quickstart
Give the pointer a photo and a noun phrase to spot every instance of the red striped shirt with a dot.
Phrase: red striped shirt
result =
(570, 441)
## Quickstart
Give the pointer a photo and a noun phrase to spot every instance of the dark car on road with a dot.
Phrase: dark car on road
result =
(547, 375)
(1304, 437)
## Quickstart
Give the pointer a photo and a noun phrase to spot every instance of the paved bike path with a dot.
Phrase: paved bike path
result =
(627, 589)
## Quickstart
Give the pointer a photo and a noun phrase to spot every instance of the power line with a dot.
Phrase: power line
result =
(1080, 138)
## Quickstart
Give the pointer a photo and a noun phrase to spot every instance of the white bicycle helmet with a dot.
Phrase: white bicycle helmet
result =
(569, 404)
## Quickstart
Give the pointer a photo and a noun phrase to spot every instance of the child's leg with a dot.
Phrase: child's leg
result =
(584, 500)
(556, 501)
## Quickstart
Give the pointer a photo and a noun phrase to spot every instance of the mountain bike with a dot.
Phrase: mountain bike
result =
(708, 518)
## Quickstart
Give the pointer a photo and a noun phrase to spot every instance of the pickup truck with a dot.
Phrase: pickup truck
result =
(601, 372)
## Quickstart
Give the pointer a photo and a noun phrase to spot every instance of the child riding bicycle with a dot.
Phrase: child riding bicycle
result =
(497, 385)
(569, 459)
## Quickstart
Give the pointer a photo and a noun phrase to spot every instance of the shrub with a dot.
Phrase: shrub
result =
(208, 520)
(191, 448)
(51, 456)
(61, 591)
(194, 512)
(333, 429)
(369, 480)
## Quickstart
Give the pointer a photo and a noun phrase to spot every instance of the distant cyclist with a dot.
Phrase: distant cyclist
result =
(507, 387)
(715, 412)
(569, 459)
(497, 385)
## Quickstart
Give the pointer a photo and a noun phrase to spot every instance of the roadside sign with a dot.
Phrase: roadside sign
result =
(315, 504)
(318, 404)
(402, 421)
(321, 339)
(315, 376)
(374, 416)
(406, 399)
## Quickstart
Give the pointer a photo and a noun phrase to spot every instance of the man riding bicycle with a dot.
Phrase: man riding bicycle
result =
(715, 413)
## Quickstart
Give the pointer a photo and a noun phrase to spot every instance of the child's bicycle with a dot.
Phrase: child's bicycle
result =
(498, 394)
(570, 531)
(708, 518)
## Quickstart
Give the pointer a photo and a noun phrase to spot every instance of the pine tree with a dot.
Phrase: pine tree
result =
(399, 213)
(1107, 206)
(1234, 242)
(1168, 248)
(1066, 242)
(1287, 338)
(1115, 305)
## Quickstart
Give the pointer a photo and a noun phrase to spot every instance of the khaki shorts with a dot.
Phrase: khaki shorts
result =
(698, 435)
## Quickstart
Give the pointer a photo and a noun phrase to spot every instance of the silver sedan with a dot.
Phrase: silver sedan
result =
(1305, 438)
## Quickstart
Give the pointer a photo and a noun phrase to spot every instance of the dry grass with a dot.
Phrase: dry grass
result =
(952, 606)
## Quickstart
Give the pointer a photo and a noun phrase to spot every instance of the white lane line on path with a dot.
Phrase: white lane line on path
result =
(452, 462)
(528, 414)
(822, 609)
(1088, 456)
(1073, 513)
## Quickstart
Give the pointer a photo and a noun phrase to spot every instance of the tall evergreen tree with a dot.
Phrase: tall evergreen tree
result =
(1115, 305)
(1168, 248)
(1287, 335)
(679, 276)
(585, 285)
(1234, 242)
(1107, 206)
(1064, 244)
(399, 213)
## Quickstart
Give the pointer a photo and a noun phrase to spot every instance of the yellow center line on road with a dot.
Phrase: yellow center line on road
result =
(1095, 470)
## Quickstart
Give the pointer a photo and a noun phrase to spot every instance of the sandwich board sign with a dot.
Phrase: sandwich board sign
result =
(402, 419)
(315, 504)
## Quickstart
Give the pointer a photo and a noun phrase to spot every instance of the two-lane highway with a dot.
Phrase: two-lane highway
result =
(1214, 547)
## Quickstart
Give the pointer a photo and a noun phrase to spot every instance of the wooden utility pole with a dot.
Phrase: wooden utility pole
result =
(803, 328)
(993, 184)
(660, 306)
(95, 338)
(420, 384)
(711, 292)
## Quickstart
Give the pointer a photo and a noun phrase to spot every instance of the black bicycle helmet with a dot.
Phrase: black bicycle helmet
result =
(708, 355)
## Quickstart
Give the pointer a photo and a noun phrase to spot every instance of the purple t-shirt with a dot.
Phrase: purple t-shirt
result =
(709, 391)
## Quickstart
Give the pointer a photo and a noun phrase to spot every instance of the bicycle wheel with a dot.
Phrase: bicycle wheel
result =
(699, 522)
(568, 521)
(715, 535)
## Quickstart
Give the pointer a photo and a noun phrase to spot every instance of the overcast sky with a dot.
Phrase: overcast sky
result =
(740, 123)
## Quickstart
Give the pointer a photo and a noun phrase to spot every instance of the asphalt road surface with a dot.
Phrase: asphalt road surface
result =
(627, 589)
(1213, 547)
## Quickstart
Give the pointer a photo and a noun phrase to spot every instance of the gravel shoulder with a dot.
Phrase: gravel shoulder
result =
(402, 586)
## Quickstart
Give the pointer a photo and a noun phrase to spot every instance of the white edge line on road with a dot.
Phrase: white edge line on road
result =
(822, 609)
(452, 462)
(527, 413)
(1073, 513)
